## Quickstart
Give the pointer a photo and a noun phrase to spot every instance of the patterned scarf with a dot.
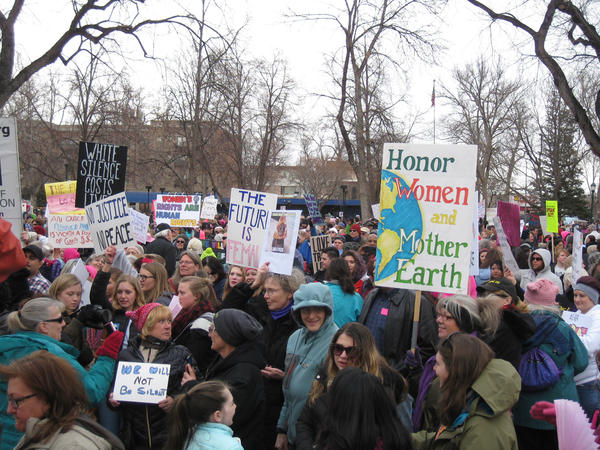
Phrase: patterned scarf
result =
(188, 315)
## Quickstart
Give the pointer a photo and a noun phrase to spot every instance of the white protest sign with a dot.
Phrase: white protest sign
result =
(178, 210)
(578, 322)
(80, 271)
(209, 207)
(139, 225)
(507, 254)
(175, 306)
(109, 222)
(69, 231)
(85, 293)
(247, 226)
(544, 224)
(279, 246)
(426, 215)
(318, 243)
(375, 210)
(577, 256)
(10, 179)
(141, 382)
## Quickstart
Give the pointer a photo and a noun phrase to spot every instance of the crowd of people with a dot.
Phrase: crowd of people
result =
(320, 358)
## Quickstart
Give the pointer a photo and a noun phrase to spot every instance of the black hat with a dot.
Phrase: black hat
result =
(162, 227)
(500, 284)
(236, 327)
(37, 251)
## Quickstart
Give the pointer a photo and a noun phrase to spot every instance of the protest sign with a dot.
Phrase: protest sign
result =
(209, 207)
(313, 208)
(552, 215)
(69, 230)
(247, 226)
(175, 306)
(474, 264)
(577, 256)
(141, 382)
(178, 210)
(426, 209)
(80, 271)
(507, 254)
(100, 172)
(481, 209)
(375, 210)
(10, 179)
(510, 215)
(578, 322)
(60, 197)
(109, 222)
(139, 225)
(318, 243)
(279, 245)
(544, 224)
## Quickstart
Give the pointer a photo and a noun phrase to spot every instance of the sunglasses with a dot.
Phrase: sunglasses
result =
(57, 320)
(180, 242)
(536, 258)
(338, 349)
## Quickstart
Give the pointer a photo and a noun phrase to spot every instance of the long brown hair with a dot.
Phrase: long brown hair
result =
(465, 357)
(202, 290)
(228, 286)
(161, 284)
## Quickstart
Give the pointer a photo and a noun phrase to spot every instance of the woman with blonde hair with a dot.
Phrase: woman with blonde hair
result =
(155, 283)
(67, 289)
(189, 265)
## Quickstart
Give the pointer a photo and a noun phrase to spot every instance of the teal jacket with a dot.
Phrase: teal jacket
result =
(213, 436)
(14, 346)
(304, 354)
(567, 351)
(346, 307)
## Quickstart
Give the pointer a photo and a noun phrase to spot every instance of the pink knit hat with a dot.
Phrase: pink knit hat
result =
(139, 316)
(70, 253)
(541, 292)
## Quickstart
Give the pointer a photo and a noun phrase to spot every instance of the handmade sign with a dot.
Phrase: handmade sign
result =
(544, 224)
(318, 243)
(279, 245)
(507, 254)
(175, 306)
(580, 323)
(109, 223)
(426, 214)
(552, 215)
(69, 230)
(577, 256)
(10, 179)
(247, 226)
(209, 207)
(178, 210)
(60, 197)
(313, 208)
(509, 214)
(139, 225)
(141, 382)
(375, 211)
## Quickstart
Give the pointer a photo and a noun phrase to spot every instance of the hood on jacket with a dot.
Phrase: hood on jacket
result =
(499, 386)
(313, 295)
(545, 254)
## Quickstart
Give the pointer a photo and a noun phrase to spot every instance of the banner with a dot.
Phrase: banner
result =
(510, 215)
(507, 254)
(318, 243)
(69, 231)
(313, 208)
(109, 222)
(60, 197)
(178, 210)
(10, 179)
(577, 257)
(209, 208)
(100, 172)
(279, 245)
(426, 207)
(141, 382)
(247, 226)
(552, 215)
(139, 225)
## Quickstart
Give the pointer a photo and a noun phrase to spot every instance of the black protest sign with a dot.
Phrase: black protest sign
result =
(100, 172)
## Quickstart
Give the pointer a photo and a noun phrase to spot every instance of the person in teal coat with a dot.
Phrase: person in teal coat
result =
(306, 350)
(38, 326)
(347, 303)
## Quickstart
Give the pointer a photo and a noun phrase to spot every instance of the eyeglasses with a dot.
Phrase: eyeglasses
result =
(338, 349)
(180, 241)
(536, 258)
(145, 277)
(57, 320)
(16, 402)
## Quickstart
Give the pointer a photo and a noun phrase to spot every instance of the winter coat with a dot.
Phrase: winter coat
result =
(195, 338)
(86, 434)
(161, 246)
(346, 307)
(96, 381)
(213, 436)
(305, 353)
(486, 422)
(241, 371)
(146, 423)
(514, 329)
(559, 341)
(529, 275)
(591, 340)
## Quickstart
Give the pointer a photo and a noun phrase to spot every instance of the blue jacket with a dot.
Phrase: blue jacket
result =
(304, 354)
(96, 381)
(213, 436)
(306, 252)
(346, 307)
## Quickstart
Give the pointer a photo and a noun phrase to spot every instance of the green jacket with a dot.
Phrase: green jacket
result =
(487, 424)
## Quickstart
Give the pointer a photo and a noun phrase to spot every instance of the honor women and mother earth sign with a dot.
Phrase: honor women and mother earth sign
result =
(426, 211)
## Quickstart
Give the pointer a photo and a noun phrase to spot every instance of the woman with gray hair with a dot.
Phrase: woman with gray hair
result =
(38, 326)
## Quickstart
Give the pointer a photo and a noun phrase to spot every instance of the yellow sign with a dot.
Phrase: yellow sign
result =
(552, 215)
(60, 198)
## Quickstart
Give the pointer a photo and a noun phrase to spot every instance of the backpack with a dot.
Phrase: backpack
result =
(538, 370)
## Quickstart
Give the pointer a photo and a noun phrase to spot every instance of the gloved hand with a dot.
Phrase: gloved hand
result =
(111, 345)
(413, 360)
(93, 316)
(545, 411)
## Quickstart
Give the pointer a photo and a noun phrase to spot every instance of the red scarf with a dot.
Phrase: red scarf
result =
(188, 315)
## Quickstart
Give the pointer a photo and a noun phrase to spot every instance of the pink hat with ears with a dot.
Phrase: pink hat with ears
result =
(139, 316)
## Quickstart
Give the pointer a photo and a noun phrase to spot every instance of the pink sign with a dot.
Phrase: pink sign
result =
(510, 215)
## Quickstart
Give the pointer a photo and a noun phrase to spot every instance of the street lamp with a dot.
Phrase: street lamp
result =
(593, 188)
(148, 187)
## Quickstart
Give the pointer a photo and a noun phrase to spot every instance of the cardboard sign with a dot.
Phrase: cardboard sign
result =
(69, 231)
(279, 246)
(426, 213)
(375, 211)
(577, 257)
(509, 214)
(139, 225)
(580, 323)
(141, 382)
(247, 226)
(313, 208)
(109, 223)
(178, 210)
(552, 215)
(507, 254)
(60, 197)
(10, 179)
(100, 172)
(318, 243)
(209, 208)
